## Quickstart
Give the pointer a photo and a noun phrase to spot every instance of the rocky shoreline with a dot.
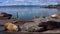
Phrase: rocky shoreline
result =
(21, 22)
(52, 6)
(31, 22)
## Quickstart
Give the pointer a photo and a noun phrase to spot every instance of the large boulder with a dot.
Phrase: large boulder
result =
(35, 29)
(31, 27)
(38, 20)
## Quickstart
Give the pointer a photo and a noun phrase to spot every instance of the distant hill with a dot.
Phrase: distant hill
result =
(53, 6)
(24, 6)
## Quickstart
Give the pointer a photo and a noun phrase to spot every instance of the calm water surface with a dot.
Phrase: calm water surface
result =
(28, 12)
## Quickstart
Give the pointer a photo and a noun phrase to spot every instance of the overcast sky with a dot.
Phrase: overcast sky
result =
(28, 2)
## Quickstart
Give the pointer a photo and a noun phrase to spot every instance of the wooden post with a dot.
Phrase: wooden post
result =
(17, 15)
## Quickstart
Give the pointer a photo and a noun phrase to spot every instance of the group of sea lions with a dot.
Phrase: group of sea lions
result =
(38, 27)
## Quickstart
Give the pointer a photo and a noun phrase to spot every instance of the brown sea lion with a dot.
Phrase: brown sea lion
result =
(11, 27)
(55, 16)
(50, 25)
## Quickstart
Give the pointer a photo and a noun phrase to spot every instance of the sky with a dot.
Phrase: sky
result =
(28, 2)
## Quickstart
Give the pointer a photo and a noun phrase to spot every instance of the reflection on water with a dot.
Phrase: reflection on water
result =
(28, 12)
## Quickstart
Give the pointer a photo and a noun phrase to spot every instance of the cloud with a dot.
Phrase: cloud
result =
(31, 2)
(19, 0)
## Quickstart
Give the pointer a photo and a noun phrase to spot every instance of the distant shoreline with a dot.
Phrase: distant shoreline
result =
(40, 6)
(53, 6)
(24, 6)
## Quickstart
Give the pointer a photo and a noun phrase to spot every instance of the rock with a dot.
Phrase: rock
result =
(38, 20)
(25, 26)
(31, 27)
(35, 29)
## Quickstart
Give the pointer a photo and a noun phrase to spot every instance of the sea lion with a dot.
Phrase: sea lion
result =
(50, 25)
(55, 16)
(11, 27)
(6, 15)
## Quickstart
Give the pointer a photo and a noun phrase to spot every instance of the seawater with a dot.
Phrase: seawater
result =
(29, 12)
